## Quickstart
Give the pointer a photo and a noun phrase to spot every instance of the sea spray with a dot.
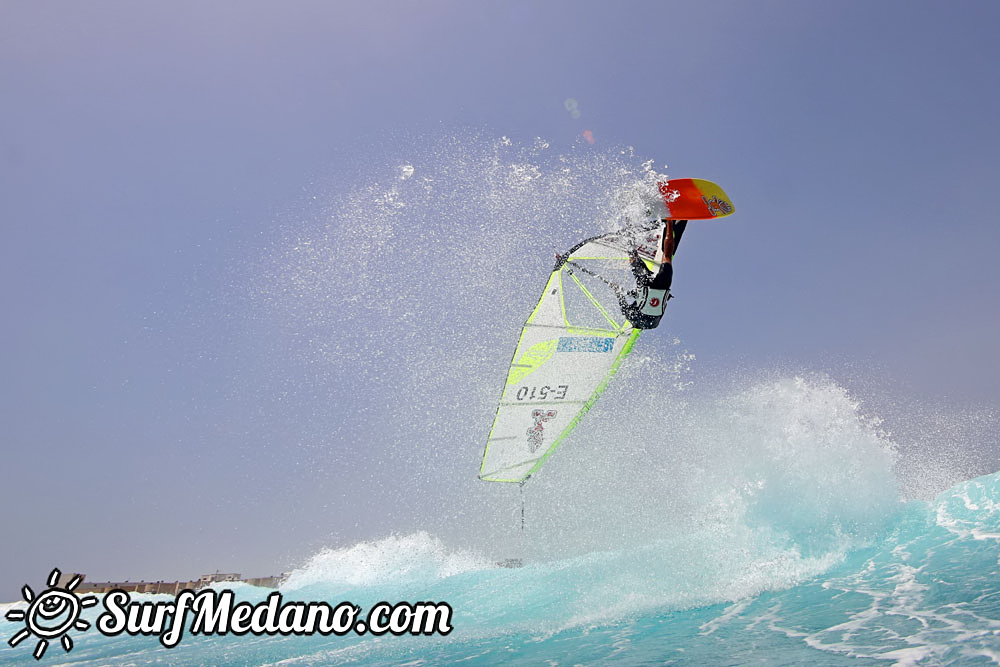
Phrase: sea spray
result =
(383, 313)
(395, 303)
(668, 535)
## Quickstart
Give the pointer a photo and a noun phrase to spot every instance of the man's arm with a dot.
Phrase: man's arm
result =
(668, 242)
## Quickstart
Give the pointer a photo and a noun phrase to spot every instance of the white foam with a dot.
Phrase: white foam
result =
(396, 558)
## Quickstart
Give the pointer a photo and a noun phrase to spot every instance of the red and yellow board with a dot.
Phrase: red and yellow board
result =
(694, 199)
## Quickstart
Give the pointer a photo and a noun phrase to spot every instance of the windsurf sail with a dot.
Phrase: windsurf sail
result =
(571, 346)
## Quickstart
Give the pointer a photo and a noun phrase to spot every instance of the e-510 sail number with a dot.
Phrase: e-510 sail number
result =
(543, 393)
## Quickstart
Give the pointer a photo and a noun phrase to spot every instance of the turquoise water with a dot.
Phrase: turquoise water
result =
(924, 590)
(784, 543)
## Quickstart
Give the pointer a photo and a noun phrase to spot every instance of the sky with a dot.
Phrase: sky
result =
(151, 154)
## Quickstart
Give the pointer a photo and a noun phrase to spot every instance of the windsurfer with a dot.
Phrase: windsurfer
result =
(644, 306)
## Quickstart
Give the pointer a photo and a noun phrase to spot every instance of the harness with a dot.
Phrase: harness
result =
(654, 301)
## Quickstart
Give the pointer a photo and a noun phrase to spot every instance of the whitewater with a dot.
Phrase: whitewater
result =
(773, 516)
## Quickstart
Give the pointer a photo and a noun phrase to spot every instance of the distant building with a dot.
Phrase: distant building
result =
(207, 579)
(265, 582)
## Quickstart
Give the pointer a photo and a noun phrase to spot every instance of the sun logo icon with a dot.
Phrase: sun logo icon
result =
(52, 614)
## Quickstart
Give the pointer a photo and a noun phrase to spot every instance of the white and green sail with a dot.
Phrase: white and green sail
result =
(570, 347)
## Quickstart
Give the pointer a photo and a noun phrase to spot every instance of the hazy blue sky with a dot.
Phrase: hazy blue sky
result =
(150, 153)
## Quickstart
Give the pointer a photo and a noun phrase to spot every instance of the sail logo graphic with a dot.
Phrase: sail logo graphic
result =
(537, 432)
(648, 247)
(51, 614)
(585, 344)
(717, 206)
